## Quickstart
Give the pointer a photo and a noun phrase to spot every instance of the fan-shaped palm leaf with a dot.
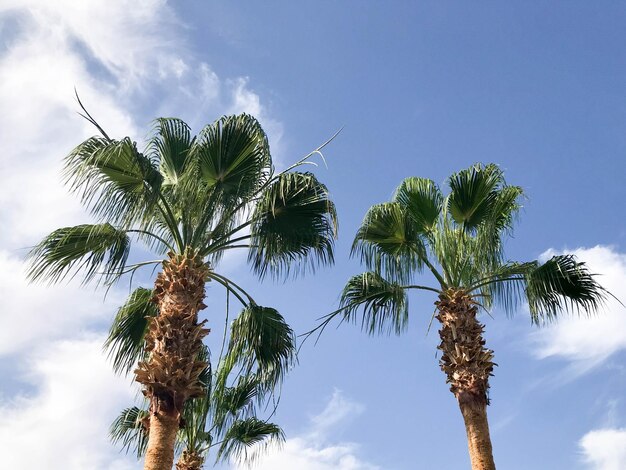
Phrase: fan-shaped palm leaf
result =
(93, 249)
(243, 437)
(388, 242)
(293, 220)
(385, 304)
(125, 342)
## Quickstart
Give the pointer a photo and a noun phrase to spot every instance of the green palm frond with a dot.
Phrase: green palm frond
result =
(262, 343)
(242, 440)
(388, 242)
(236, 402)
(125, 342)
(128, 430)
(384, 305)
(170, 145)
(114, 180)
(472, 193)
(232, 156)
(562, 284)
(294, 224)
(94, 249)
(422, 200)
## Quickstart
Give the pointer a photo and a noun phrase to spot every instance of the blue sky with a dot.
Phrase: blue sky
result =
(423, 89)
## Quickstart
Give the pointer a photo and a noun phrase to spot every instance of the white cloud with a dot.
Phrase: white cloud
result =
(64, 423)
(35, 313)
(131, 54)
(120, 55)
(314, 449)
(604, 449)
(588, 341)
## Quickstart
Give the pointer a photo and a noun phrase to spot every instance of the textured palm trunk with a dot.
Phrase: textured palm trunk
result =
(170, 375)
(467, 364)
(189, 461)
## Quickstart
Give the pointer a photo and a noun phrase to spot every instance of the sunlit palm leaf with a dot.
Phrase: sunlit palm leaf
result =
(170, 146)
(384, 305)
(294, 226)
(473, 191)
(422, 200)
(114, 180)
(389, 243)
(125, 343)
(93, 249)
(232, 155)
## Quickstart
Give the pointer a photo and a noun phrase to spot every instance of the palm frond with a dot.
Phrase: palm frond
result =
(114, 180)
(125, 342)
(247, 437)
(422, 200)
(389, 243)
(294, 225)
(129, 431)
(473, 192)
(170, 145)
(83, 247)
(231, 403)
(562, 284)
(384, 305)
(232, 156)
(263, 343)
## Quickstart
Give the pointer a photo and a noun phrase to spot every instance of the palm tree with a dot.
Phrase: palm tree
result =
(224, 418)
(254, 355)
(189, 199)
(459, 240)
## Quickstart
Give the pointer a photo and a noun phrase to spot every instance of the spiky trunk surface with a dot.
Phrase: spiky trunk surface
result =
(467, 364)
(189, 461)
(171, 373)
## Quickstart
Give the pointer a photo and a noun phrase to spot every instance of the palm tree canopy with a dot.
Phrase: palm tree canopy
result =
(459, 239)
(183, 194)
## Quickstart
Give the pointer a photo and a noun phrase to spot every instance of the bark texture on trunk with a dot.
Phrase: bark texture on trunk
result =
(170, 375)
(161, 439)
(478, 440)
(468, 364)
(189, 461)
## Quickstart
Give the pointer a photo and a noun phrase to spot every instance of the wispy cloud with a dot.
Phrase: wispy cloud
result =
(315, 447)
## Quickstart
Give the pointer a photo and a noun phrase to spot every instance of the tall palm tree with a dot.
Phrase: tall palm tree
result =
(189, 199)
(459, 240)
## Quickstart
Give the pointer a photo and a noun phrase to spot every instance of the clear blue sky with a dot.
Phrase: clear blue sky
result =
(421, 89)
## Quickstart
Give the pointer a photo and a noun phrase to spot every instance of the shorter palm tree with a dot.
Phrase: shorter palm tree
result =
(225, 417)
(459, 240)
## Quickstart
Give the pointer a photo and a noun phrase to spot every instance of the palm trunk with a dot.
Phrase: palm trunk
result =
(478, 439)
(467, 364)
(161, 439)
(170, 376)
(189, 460)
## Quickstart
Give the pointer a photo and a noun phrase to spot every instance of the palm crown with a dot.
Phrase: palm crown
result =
(205, 194)
(459, 240)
